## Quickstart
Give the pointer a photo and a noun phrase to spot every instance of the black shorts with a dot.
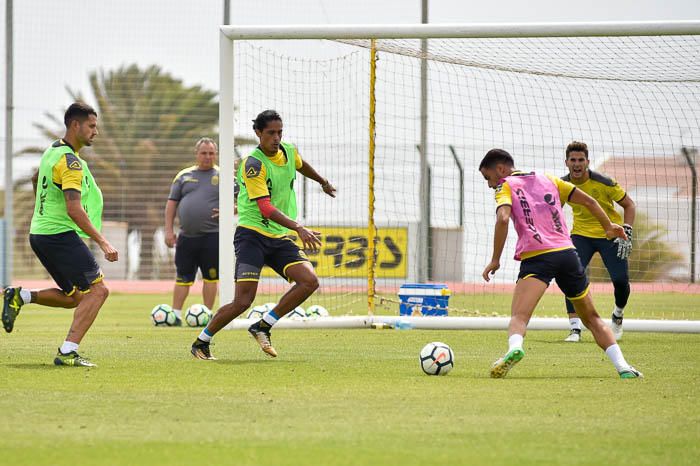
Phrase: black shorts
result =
(197, 252)
(563, 266)
(68, 260)
(253, 250)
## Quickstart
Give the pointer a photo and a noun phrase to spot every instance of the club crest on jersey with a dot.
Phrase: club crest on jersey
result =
(253, 167)
(215, 180)
(72, 162)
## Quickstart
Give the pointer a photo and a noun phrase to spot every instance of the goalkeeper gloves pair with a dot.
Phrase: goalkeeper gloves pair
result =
(624, 246)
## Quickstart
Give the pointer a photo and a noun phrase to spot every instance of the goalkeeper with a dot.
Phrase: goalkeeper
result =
(588, 235)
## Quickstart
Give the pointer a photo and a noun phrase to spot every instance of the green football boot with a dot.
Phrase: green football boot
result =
(11, 304)
(500, 368)
(72, 359)
(631, 373)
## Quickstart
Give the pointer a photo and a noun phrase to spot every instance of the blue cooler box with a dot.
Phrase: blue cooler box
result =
(423, 299)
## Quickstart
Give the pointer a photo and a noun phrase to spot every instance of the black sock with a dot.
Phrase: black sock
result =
(263, 324)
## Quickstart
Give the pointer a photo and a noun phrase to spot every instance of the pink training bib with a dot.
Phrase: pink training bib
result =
(537, 214)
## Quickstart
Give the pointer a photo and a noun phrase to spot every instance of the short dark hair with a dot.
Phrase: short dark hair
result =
(496, 156)
(576, 146)
(264, 118)
(78, 111)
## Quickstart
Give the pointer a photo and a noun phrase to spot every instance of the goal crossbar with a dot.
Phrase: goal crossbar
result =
(464, 31)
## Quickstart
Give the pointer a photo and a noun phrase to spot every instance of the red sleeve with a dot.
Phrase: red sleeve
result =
(265, 206)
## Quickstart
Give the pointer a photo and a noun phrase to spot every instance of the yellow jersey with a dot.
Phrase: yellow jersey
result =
(68, 172)
(607, 192)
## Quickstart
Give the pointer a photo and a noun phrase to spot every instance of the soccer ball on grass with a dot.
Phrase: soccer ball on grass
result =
(436, 358)
(316, 311)
(298, 313)
(269, 306)
(257, 312)
(198, 315)
(162, 315)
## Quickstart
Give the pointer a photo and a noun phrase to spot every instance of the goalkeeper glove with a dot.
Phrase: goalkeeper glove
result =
(624, 246)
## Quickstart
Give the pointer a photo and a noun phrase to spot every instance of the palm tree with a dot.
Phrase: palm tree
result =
(652, 258)
(148, 123)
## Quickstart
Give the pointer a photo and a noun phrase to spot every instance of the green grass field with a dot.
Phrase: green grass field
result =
(334, 397)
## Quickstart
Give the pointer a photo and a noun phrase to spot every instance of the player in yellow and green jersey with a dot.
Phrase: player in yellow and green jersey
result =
(266, 214)
(68, 206)
(589, 237)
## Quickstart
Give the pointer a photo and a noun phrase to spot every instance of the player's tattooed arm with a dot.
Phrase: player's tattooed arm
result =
(71, 195)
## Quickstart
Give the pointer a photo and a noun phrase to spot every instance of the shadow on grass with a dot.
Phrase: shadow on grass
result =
(512, 377)
(558, 377)
(32, 366)
(561, 341)
(244, 362)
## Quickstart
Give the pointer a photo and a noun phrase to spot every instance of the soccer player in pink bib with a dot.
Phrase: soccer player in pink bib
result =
(534, 203)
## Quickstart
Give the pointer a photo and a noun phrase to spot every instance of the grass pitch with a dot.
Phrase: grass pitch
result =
(334, 397)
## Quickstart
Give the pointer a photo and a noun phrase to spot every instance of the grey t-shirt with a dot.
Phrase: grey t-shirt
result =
(197, 193)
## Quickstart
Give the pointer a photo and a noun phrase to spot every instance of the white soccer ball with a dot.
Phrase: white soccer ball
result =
(269, 306)
(162, 315)
(297, 314)
(257, 312)
(198, 315)
(436, 358)
(316, 311)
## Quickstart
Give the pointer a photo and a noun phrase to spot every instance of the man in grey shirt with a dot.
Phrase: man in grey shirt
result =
(194, 196)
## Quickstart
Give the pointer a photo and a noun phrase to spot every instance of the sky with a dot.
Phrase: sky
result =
(58, 42)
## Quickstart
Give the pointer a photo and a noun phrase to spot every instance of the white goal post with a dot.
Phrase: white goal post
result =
(229, 35)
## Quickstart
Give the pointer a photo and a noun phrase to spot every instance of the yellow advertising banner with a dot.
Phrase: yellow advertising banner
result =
(343, 253)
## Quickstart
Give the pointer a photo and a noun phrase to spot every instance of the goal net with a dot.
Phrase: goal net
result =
(410, 185)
